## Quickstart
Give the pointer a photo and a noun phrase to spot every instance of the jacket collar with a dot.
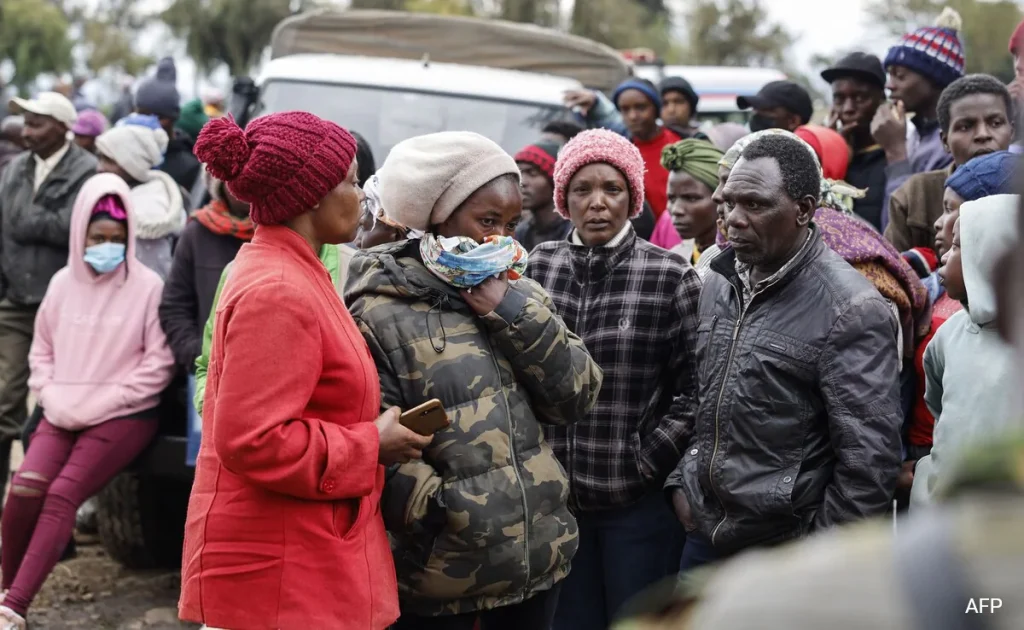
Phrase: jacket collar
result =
(924, 125)
(74, 162)
(725, 263)
(589, 264)
(286, 239)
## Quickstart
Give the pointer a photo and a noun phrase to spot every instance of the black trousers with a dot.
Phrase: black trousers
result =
(536, 613)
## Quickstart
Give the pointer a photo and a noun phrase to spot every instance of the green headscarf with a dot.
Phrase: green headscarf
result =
(697, 158)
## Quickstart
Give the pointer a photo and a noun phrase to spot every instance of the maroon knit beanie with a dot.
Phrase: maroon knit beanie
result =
(282, 164)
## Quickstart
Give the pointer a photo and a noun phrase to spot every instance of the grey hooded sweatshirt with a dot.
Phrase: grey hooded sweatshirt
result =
(968, 368)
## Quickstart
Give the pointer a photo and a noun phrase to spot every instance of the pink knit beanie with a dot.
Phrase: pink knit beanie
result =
(281, 164)
(600, 145)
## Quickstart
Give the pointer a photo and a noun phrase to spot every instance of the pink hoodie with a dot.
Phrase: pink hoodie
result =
(99, 352)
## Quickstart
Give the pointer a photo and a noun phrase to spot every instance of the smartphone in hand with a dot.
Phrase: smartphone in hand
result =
(425, 419)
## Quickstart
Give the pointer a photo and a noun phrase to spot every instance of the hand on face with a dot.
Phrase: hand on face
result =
(486, 296)
(854, 104)
(493, 210)
(889, 129)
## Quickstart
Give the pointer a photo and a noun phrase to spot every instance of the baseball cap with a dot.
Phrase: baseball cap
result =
(785, 94)
(857, 65)
(50, 104)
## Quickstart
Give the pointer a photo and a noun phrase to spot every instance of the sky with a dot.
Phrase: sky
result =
(814, 24)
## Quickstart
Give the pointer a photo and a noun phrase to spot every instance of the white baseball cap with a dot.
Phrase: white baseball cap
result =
(52, 104)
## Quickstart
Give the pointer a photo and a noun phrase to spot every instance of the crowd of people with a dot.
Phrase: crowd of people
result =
(659, 345)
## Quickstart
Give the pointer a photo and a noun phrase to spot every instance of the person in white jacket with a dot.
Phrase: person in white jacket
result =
(968, 368)
(133, 152)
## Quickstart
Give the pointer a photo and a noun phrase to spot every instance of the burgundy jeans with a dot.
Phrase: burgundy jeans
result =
(61, 470)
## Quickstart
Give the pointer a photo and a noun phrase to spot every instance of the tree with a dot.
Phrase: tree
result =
(622, 24)
(390, 5)
(442, 7)
(986, 28)
(734, 33)
(107, 32)
(541, 12)
(233, 32)
(34, 39)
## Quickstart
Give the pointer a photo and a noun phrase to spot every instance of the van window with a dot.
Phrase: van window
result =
(385, 117)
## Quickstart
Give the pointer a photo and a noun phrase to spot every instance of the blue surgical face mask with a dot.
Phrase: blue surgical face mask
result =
(105, 257)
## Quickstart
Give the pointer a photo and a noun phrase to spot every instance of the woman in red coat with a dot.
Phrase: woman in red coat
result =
(284, 530)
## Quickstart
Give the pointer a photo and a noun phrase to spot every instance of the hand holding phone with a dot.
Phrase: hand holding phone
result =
(397, 443)
(426, 419)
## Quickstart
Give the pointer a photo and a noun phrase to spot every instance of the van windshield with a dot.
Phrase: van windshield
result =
(385, 116)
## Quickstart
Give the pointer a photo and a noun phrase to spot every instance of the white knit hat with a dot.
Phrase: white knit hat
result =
(134, 148)
(427, 177)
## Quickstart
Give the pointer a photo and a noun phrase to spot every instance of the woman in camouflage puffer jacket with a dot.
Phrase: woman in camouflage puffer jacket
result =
(480, 526)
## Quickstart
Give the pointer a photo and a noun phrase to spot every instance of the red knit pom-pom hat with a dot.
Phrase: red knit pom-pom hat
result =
(595, 146)
(281, 164)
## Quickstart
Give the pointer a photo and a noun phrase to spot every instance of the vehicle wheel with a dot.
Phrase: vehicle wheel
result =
(141, 520)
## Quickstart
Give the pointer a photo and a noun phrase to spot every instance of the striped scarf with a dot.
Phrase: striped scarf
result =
(217, 218)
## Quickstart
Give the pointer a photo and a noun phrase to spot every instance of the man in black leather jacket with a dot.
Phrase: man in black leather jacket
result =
(798, 426)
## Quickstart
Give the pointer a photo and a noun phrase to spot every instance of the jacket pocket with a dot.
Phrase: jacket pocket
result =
(74, 406)
(348, 516)
(783, 368)
(638, 454)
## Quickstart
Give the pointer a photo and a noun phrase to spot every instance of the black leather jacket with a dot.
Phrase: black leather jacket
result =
(798, 425)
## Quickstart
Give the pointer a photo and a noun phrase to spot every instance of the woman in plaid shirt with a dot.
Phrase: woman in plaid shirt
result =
(635, 306)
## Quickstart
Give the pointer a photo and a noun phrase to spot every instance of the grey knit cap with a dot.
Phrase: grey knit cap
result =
(159, 93)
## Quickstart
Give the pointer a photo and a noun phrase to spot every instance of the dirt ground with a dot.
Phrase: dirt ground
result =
(92, 592)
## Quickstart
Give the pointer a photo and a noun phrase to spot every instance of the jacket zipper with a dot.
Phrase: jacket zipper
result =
(515, 467)
(572, 428)
(718, 409)
(721, 393)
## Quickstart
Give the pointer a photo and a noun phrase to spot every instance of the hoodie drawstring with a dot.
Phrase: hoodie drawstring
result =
(440, 302)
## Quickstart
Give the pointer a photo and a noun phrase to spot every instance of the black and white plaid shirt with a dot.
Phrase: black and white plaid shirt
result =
(635, 307)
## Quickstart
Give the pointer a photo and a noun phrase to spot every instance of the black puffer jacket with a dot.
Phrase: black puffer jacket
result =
(180, 163)
(798, 425)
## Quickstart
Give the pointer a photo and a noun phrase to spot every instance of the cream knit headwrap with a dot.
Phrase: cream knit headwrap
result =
(425, 178)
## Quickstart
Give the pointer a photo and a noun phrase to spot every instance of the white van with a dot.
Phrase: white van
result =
(391, 75)
(389, 100)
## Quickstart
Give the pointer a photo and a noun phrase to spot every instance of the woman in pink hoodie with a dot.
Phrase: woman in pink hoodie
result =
(99, 363)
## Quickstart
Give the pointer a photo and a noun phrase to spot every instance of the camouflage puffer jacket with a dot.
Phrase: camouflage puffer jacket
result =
(482, 521)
